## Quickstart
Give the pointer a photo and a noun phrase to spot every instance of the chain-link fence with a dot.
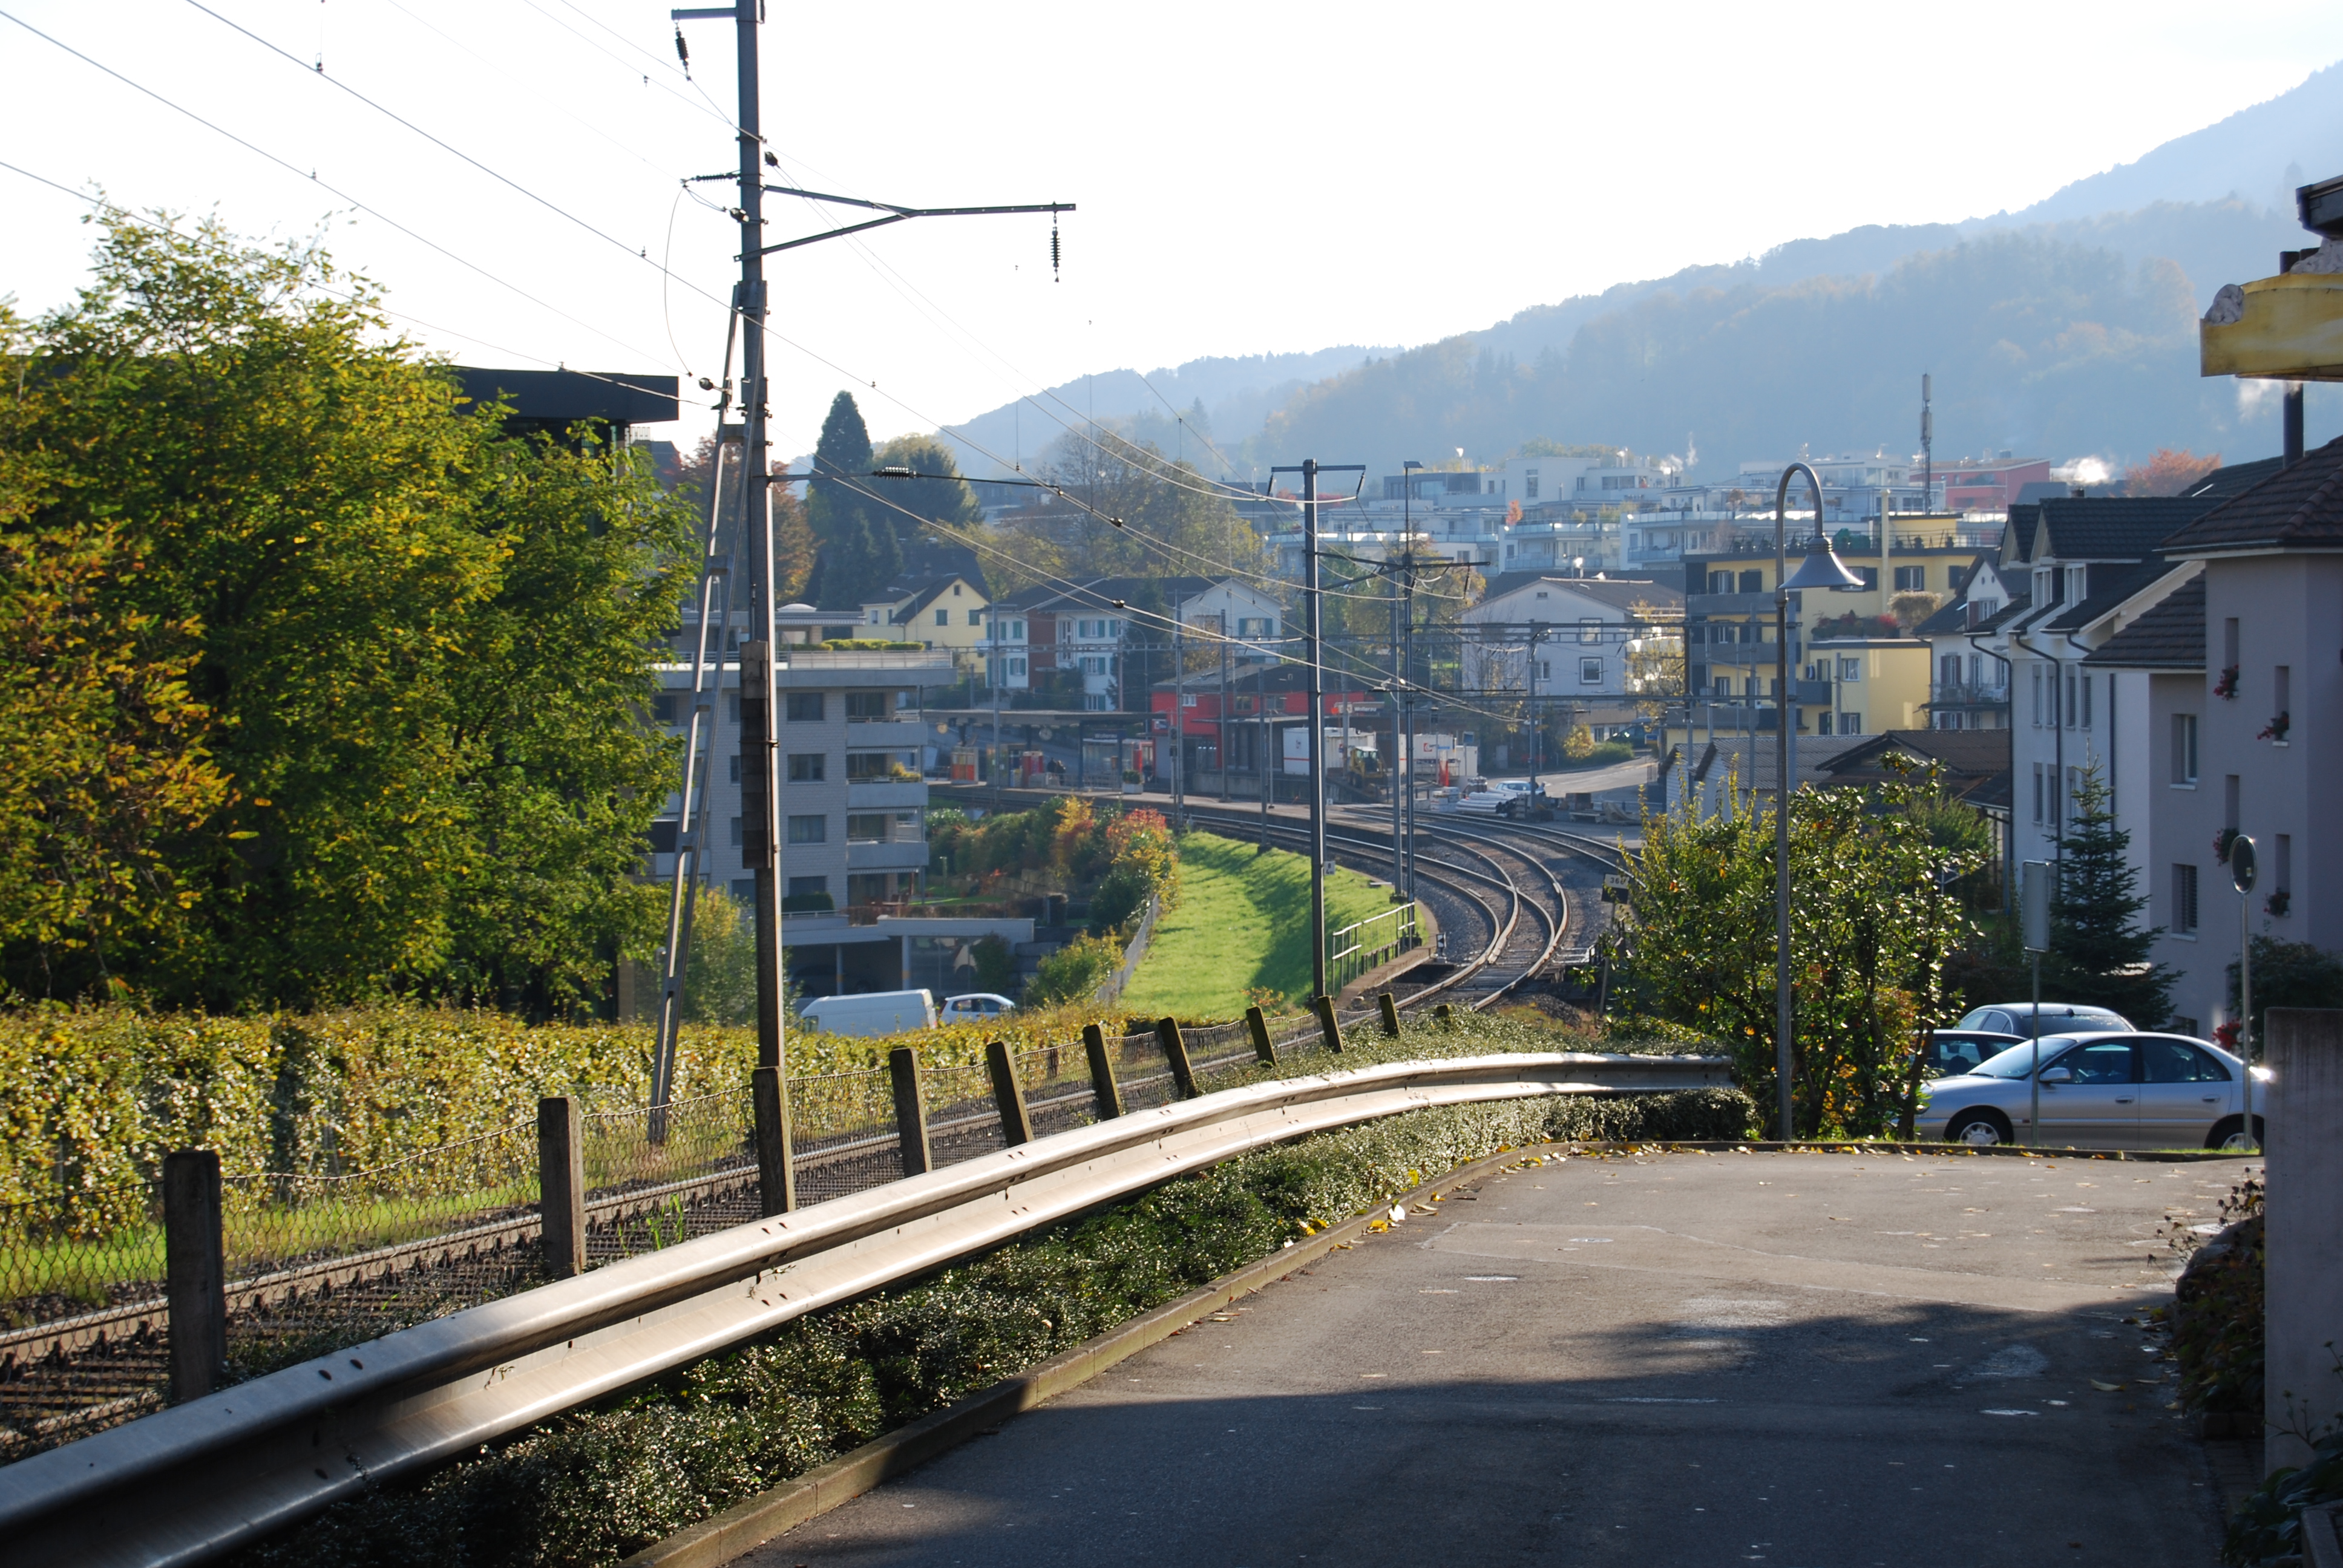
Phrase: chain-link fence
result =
(842, 1129)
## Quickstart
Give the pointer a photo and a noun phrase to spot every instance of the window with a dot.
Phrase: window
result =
(737, 839)
(943, 618)
(1720, 582)
(2229, 643)
(861, 766)
(810, 830)
(1753, 582)
(806, 766)
(2108, 1061)
(867, 828)
(976, 618)
(2183, 749)
(2086, 701)
(1823, 725)
(2177, 1061)
(862, 707)
(1590, 672)
(744, 889)
(1530, 485)
(667, 708)
(1255, 625)
(808, 887)
(2184, 900)
(1017, 667)
(2069, 708)
(805, 707)
(1545, 669)
(2037, 792)
(2282, 874)
(1950, 669)
(1912, 580)
(1093, 664)
(1870, 575)
(1850, 668)
(1590, 630)
(732, 763)
(2282, 694)
(1850, 724)
(732, 707)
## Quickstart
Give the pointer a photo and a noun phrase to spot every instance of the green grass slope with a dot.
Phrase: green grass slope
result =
(1243, 923)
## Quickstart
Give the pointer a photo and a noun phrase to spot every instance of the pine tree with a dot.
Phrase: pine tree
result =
(2099, 954)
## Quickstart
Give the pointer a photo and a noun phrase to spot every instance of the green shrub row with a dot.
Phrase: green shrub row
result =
(591, 1487)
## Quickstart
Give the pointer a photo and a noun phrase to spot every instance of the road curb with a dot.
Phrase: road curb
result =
(749, 1525)
(1882, 1146)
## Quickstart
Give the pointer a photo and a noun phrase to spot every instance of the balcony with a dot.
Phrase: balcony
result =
(886, 794)
(886, 855)
(898, 733)
(1962, 694)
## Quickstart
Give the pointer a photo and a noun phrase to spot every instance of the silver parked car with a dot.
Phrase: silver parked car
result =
(2100, 1091)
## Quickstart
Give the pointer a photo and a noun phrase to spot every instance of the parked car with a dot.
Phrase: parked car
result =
(870, 1012)
(2057, 1018)
(2129, 1090)
(1952, 1051)
(976, 1004)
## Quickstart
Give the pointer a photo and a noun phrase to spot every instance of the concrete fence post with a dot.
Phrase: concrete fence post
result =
(1257, 1025)
(776, 1177)
(195, 1271)
(2302, 1239)
(1016, 1124)
(1107, 1092)
(1323, 1006)
(561, 1184)
(1175, 1051)
(910, 1112)
(1389, 1008)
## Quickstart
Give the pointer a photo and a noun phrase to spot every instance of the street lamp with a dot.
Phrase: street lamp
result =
(1822, 569)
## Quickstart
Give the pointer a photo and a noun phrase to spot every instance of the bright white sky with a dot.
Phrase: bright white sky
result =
(1250, 177)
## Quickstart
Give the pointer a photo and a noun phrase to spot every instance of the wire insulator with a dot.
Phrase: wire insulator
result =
(682, 51)
(1053, 252)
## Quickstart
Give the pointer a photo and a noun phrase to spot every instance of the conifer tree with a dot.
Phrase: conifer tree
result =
(2099, 954)
(837, 509)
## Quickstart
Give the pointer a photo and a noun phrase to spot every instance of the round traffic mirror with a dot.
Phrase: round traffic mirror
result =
(2241, 863)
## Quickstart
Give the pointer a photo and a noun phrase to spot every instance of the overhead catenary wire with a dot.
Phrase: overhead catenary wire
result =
(332, 189)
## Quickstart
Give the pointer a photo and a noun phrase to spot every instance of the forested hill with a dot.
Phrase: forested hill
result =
(2052, 340)
(2063, 329)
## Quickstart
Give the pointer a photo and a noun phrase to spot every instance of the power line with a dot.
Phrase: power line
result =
(313, 178)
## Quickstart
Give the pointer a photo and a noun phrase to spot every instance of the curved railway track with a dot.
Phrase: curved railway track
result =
(1502, 906)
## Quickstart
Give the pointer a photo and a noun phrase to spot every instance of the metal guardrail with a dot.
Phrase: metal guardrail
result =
(188, 1484)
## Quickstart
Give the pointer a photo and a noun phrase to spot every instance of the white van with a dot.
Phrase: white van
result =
(872, 1012)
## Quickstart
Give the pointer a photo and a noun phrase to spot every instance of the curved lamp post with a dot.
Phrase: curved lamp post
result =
(1822, 569)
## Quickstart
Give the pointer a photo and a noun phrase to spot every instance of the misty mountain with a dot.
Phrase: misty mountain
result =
(2064, 330)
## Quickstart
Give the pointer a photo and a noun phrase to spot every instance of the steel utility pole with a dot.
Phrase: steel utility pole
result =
(760, 794)
(1310, 470)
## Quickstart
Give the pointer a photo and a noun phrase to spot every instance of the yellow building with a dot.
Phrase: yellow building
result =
(946, 613)
(1856, 668)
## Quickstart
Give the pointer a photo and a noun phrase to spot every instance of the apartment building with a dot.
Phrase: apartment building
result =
(1857, 665)
(2225, 707)
(1968, 687)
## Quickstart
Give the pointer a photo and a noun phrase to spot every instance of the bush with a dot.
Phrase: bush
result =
(1075, 970)
(595, 1485)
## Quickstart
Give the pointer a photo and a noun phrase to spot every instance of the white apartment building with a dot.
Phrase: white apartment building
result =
(1566, 637)
(2227, 717)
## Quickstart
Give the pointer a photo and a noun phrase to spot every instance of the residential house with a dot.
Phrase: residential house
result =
(1095, 639)
(1968, 687)
(945, 613)
(2226, 707)
(1549, 636)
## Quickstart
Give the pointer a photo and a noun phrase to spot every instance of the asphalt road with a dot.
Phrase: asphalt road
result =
(1662, 1360)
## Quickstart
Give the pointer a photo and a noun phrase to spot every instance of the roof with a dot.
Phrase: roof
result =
(1975, 763)
(2223, 483)
(2113, 527)
(1953, 618)
(2111, 584)
(1101, 593)
(1620, 593)
(2296, 508)
(2170, 635)
(927, 594)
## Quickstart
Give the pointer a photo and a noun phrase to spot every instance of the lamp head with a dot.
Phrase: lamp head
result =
(1822, 569)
